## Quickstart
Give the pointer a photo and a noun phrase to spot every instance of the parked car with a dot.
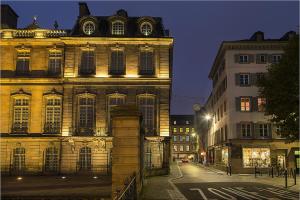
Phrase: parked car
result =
(184, 160)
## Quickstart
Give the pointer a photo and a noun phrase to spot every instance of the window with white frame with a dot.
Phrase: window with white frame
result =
(246, 130)
(87, 64)
(174, 130)
(146, 63)
(20, 114)
(175, 148)
(146, 105)
(187, 138)
(22, 66)
(85, 159)
(244, 79)
(117, 65)
(245, 104)
(51, 159)
(187, 147)
(53, 115)
(256, 157)
(263, 130)
(146, 28)
(181, 148)
(180, 130)
(55, 60)
(174, 122)
(175, 138)
(261, 103)
(86, 111)
(243, 59)
(114, 100)
(276, 58)
(118, 28)
(19, 159)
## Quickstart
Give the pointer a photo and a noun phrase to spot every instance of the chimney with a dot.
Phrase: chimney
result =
(258, 36)
(9, 19)
(289, 35)
(83, 9)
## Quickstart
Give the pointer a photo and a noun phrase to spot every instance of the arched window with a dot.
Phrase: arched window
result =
(146, 28)
(146, 104)
(20, 114)
(86, 114)
(18, 164)
(85, 162)
(117, 28)
(113, 100)
(51, 159)
(53, 114)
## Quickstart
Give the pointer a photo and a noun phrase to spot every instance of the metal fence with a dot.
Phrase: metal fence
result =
(129, 191)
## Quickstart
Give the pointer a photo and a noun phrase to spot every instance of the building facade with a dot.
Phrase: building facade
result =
(239, 133)
(59, 86)
(184, 139)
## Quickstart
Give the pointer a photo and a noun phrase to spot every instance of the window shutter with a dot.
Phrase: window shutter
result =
(238, 130)
(252, 130)
(258, 58)
(254, 106)
(237, 79)
(251, 58)
(237, 58)
(253, 79)
(251, 103)
(270, 130)
(120, 61)
(256, 130)
(238, 103)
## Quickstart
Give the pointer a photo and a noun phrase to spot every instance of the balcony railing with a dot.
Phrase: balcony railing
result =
(19, 128)
(89, 131)
(52, 128)
(117, 72)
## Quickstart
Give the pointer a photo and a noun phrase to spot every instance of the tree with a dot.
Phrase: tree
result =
(280, 87)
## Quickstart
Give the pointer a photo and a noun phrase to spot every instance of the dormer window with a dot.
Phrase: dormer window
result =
(89, 27)
(118, 28)
(146, 28)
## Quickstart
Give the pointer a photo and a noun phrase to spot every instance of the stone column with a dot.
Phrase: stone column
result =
(127, 145)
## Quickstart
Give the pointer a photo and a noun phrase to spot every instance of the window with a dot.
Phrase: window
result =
(243, 59)
(193, 130)
(175, 138)
(55, 58)
(53, 115)
(146, 28)
(89, 27)
(146, 63)
(261, 102)
(180, 130)
(187, 122)
(181, 148)
(187, 130)
(259, 157)
(114, 100)
(117, 66)
(245, 104)
(87, 66)
(19, 159)
(23, 58)
(174, 122)
(180, 138)
(218, 114)
(276, 58)
(85, 161)
(86, 114)
(175, 148)
(147, 107)
(262, 58)
(221, 110)
(225, 156)
(246, 130)
(174, 130)
(263, 130)
(20, 115)
(187, 148)
(225, 106)
(244, 79)
(118, 28)
(187, 138)
(51, 159)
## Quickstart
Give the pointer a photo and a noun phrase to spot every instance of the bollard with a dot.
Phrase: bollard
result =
(295, 177)
(285, 177)
(230, 170)
(226, 170)
(272, 172)
(255, 172)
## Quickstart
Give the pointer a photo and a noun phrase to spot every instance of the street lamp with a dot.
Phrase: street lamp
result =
(207, 117)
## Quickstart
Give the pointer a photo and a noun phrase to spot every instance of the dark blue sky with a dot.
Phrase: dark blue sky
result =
(198, 29)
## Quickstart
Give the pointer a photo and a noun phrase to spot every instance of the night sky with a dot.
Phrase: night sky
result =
(198, 29)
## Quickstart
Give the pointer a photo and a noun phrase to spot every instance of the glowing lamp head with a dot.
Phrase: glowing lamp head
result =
(19, 178)
(63, 177)
(207, 117)
(193, 134)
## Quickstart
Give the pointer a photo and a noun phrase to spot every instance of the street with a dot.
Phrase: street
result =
(200, 183)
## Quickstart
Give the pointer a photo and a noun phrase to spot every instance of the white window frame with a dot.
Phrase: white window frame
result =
(23, 56)
(86, 107)
(148, 111)
(276, 58)
(175, 138)
(244, 79)
(53, 113)
(21, 112)
(245, 104)
(246, 130)
(51, 159)
(89, 27)
(55, 61)
(181, 148)
(243, 58)
(119, 99)
(146, 28)
(187, 148)
(263, 130)
(118, 27)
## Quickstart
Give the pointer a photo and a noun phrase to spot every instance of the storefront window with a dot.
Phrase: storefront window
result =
(259, 157)
(225, 156)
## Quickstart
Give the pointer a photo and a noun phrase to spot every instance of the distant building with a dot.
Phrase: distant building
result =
(184, 139)
(240, 133)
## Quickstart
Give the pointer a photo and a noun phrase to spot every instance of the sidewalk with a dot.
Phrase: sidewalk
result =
(265, 178)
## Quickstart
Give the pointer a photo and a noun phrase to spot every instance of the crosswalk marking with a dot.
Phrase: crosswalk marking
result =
(242, 194)
(221, 194)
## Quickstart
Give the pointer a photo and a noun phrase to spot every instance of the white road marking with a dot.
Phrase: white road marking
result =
(255, 194)
(287, 196)
(179, 195)
(200, 191)
(242, 194)
(219, 193)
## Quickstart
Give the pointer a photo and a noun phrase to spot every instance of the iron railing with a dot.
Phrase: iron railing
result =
(19, 128)
(89, 131)
(129, 191)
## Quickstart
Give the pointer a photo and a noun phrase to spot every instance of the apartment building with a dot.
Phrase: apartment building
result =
(58, 87)
(239, 132)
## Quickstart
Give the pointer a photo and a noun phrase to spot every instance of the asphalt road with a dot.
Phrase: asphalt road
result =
(199, 183)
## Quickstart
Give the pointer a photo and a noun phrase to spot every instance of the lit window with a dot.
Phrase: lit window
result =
(147, 107)
(263, 130)
(244, 79)
(180, 130)
(187, 138)
(118, 28)
(187, 130)
(243, 59)
(85, 161)
(225, 156)
(117, 66)
(259, 157)
(181, 148)
(87, 65)
(245, 104)
(246, 130)
(261, 102)
(146, 63)
(23, 58)
(19, 159)
(276, 58)
(20, 115)
(175, 148)
(89, 27)
(174, 122)
(146, 28)
(114, 100)
(180, 138)
(193, 130)
(174, 130)
(53, 115)
(187, 122)
(174, 138)
(86, 113)
(187, 148)
(55, 58)
(51, 159)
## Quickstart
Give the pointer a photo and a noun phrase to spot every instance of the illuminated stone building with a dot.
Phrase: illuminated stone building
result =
(58, 87)
(239, 132)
